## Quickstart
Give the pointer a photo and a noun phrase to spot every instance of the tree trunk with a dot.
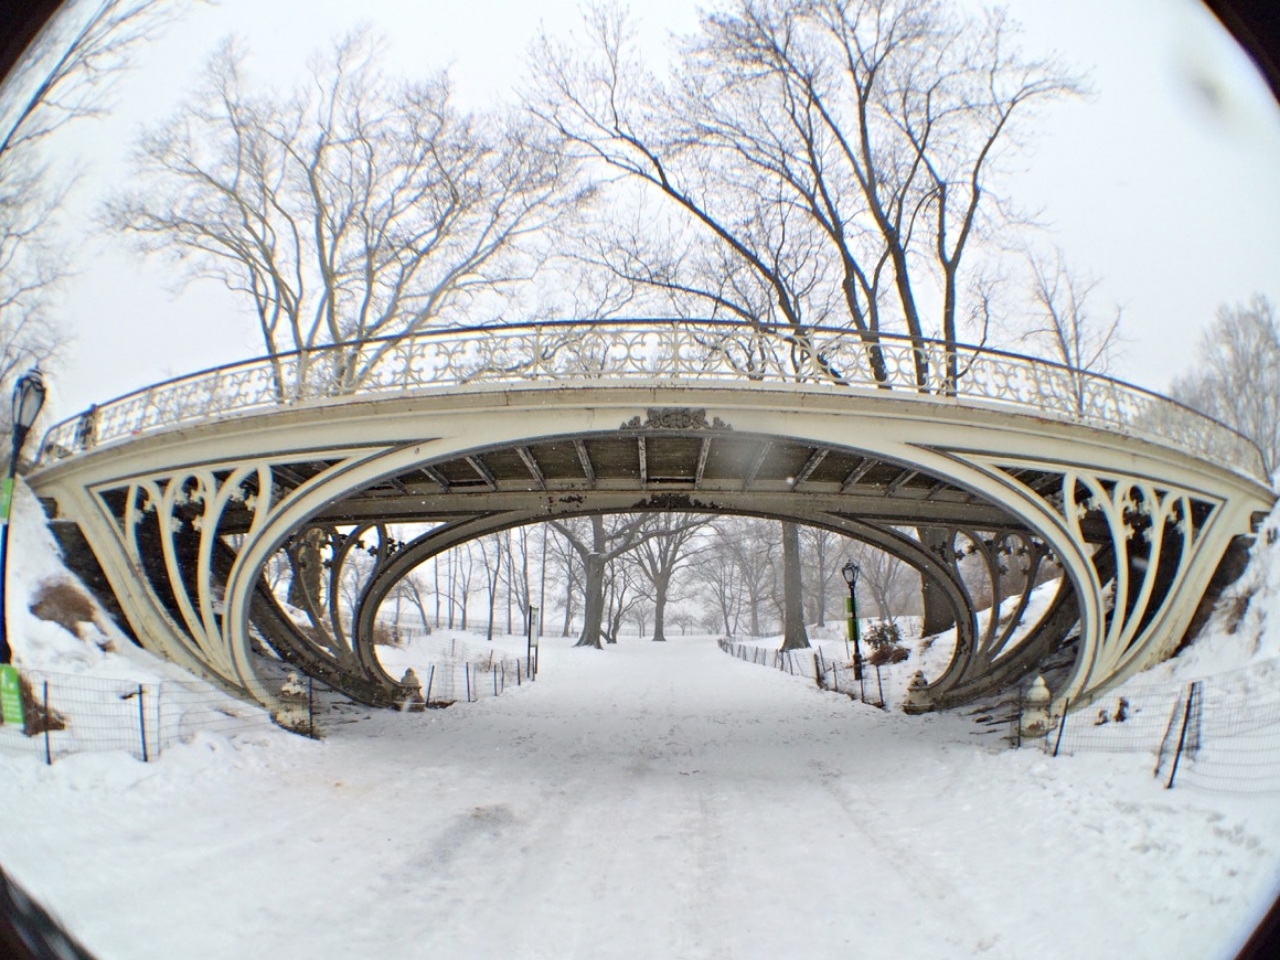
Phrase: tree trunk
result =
(820, 548)
(435, 572)
(568, 609)
(449, 578)
(660, 585)
(794, 636)
(593, 602)
(542, 589)
(493, 587)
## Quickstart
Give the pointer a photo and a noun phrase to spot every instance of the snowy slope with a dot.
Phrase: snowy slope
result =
(645, 801)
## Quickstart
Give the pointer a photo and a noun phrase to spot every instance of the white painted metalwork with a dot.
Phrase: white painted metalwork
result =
(664, 351)
(183, 521)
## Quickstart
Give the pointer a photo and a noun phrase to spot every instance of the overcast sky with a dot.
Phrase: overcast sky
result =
(1163, 184)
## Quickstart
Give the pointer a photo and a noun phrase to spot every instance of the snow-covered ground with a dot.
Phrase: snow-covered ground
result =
(645, 801)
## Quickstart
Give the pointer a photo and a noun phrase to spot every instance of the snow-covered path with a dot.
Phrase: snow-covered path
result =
(647, 801)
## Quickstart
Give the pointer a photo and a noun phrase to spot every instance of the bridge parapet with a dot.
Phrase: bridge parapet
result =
(635, 351)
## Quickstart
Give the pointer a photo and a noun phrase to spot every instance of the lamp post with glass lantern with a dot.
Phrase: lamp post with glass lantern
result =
(850, 573)
(28, 398)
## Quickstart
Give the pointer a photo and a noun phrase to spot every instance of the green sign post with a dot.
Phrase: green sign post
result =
(10, 694)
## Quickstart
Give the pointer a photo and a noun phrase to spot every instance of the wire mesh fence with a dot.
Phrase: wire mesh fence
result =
(1217, 733)
(450, 671)
(63, 714)
(450, 681)
(867, 685)
(70, 713)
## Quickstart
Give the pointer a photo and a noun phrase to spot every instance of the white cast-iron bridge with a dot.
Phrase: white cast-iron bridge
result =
(185, 490)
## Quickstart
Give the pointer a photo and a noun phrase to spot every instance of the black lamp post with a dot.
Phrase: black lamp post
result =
(28, 398)
(850, 573)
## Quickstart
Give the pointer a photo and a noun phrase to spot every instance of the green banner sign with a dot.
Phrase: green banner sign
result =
(6, 498)
(10, 694)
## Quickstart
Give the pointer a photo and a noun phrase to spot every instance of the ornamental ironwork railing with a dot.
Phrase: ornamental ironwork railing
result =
(667, 351)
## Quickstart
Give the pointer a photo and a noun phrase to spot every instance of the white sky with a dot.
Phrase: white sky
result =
(1162, 184)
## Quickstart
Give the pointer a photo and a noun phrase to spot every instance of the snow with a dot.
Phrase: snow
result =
(648, 800)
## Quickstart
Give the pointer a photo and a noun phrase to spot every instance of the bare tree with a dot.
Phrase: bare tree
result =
(684, 619)
(821, 548)
(661, 556)
(357, 207)
(755, 549)
(621, 598)
(64, 76)
(459, 571)
(411, 588)
(794, 634)
(491, 552)
(717, 582)
(1237, 379)
(516, 547)
(599, 542)
(1072, 336)
(825, 161)
(886, 578)
(564, 567)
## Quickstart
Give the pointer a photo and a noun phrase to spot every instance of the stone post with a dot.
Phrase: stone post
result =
(415, 701)
(1035, 710)
(293, 714)
(914, 701)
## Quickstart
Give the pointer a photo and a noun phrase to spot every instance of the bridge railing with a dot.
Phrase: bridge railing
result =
(683, 351)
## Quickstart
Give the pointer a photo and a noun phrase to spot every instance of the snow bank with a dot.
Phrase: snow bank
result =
(100, 649)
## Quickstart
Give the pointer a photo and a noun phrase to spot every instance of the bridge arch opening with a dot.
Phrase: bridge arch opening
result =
(921, 517)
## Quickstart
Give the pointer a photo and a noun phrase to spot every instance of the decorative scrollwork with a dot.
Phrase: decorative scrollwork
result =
(657, 350)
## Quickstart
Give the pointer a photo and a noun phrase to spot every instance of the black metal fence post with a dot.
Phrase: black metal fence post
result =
(48, 750)
(1182, 736)
(142, 725)
(1062, 725)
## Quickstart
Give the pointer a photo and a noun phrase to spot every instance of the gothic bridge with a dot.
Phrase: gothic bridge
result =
(185, 490)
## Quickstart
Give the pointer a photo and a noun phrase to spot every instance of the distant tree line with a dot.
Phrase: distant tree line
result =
(658, 573)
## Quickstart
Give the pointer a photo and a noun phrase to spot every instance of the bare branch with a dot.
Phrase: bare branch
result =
(834, 159)
(360, 208)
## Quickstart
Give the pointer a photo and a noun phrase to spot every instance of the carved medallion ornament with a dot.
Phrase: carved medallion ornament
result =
(675, 418)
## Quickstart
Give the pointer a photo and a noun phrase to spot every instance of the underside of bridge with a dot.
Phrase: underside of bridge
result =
(673, 465)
